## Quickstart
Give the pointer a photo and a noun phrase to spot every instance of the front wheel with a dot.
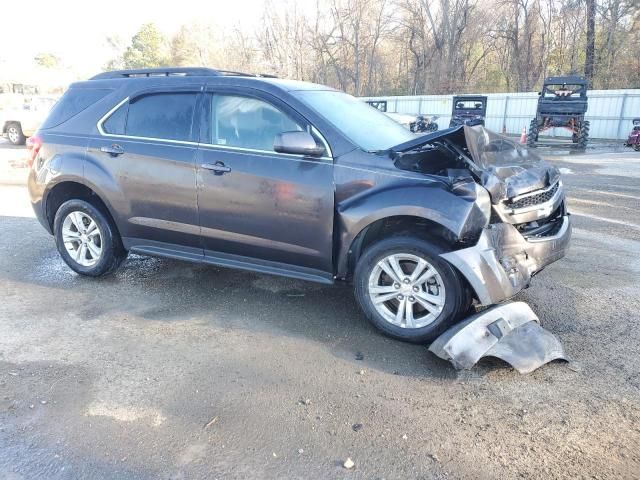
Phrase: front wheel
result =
(407, 290)
(86, 239)
(532, 136)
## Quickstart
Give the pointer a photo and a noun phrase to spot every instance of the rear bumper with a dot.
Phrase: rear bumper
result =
(36, 195)
(503, 261)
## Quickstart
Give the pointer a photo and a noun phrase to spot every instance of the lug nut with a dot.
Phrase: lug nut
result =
(396, 286)
(400, 297)
(406, 280)
(416, 289)
(412, 299)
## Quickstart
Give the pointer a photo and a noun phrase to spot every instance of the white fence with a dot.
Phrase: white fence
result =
(610, 111)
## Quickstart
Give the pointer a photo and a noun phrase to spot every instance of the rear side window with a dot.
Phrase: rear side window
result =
(117, 121)
(74, 101)
(164, 115)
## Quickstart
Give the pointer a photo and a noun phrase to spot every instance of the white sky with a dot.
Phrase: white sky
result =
(75, 30)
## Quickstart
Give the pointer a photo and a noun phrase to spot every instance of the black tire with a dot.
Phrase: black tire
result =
(457, 298)
(583, 135)
(113, 253)
(14, 134)
(636, 147)
(532, 136)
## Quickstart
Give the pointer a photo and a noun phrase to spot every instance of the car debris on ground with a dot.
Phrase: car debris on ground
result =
(510, 332)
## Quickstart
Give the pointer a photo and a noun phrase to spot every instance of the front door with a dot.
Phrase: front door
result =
(147, 146)
(266, 210)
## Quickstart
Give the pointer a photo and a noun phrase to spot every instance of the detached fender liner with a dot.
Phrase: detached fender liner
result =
(511, 332)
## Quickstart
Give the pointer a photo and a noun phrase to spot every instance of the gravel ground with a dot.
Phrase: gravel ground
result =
(177, 371)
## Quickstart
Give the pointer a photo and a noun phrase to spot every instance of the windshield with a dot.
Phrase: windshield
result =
(367, 127)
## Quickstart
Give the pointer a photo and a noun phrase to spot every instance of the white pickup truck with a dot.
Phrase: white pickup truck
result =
(17, 124)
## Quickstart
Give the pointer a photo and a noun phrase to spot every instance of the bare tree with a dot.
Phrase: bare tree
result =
(589, 61)
(369, 47)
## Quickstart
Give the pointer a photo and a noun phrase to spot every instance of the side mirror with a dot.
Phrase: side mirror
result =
(297, 143)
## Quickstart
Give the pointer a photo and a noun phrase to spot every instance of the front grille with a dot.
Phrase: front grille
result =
(545, 227)
(535, 199)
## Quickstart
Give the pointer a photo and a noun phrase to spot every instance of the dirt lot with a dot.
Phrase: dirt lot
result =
(170, 370)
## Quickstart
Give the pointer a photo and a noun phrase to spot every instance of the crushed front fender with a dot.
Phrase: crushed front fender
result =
(511, 332)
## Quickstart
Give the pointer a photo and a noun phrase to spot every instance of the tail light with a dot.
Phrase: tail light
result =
(33, 147)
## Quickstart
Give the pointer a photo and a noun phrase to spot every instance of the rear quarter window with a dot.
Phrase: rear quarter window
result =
(167, 116)
(74, 101)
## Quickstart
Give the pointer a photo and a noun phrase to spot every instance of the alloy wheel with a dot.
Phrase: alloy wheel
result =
(13, 134)
(82, 238)
(406, 290)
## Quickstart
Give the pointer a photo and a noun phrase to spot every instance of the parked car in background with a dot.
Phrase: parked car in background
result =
(19, 123)
(295, 179)
(468, 110)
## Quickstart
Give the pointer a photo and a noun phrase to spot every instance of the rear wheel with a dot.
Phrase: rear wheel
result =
(15, 135)
(583, 135)
(407, 291)
(86, 239)
(636, 147)
(532, 136)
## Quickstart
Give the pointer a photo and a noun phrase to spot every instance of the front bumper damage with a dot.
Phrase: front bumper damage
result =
(503, 261)
(511, 332)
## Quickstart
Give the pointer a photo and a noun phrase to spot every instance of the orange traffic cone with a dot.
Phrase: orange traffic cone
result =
(523, 137)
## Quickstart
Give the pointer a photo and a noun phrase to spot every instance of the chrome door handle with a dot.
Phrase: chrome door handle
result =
(114, 150)
(218, 168)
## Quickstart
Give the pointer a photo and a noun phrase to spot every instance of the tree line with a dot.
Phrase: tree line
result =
(406, 47)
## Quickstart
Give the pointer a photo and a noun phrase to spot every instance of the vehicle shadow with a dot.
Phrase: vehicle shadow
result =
(153, 289)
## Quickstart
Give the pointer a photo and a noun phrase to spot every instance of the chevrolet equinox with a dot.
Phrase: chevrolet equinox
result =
(295, 179)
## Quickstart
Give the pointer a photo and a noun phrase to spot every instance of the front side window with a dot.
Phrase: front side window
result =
(246, 122)
(166, 116)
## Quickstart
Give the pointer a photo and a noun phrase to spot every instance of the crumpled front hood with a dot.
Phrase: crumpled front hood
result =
(507, 169)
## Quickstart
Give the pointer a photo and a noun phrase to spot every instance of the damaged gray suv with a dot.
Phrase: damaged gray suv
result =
(294, 179)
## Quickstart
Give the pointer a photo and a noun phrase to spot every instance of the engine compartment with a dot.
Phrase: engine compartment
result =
(525, 190)
(431, 159)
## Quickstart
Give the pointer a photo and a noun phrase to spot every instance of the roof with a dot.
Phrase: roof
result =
(572, 79)
(178, 75)
(470, 97)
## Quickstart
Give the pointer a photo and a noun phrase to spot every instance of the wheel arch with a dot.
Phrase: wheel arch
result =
(10, 122)
(388, 226)
(70, 190)
(430, 210)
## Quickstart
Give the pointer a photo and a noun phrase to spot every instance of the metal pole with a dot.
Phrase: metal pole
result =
(622, 107)
(504, 114)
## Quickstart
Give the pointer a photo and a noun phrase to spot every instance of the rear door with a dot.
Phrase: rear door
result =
(270, 211)
(147, 145)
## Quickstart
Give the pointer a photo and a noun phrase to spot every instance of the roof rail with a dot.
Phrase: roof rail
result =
(174, 72)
